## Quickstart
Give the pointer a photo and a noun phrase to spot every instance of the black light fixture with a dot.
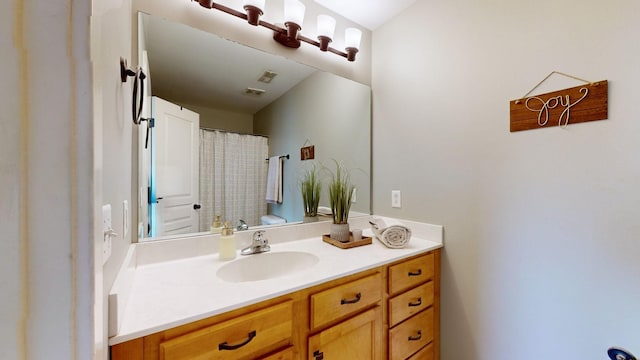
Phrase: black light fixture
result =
(290, 35)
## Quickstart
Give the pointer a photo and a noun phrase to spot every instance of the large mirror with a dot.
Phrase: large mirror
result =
(219, 94)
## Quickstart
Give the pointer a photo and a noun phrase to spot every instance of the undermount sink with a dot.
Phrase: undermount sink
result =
(266, 266)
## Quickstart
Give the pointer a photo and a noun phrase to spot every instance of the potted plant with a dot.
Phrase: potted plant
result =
(340, 193)
(310, 187)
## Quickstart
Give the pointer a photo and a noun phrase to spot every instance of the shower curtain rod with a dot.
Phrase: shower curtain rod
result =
(232, 132)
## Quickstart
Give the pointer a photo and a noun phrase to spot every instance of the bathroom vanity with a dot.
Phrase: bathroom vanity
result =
(363, 303)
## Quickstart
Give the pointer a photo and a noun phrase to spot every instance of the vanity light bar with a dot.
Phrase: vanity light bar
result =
(291, 36)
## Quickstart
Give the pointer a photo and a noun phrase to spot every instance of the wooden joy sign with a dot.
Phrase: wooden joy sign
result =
(578, 104)
(307, 153)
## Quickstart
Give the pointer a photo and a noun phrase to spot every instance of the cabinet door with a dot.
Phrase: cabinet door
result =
(355, 339)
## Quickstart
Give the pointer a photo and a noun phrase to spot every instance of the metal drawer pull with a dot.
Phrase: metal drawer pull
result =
(224, 345)
(318, 355)
(352, 301)
(417, 303)
(417, 337)
(417, 273)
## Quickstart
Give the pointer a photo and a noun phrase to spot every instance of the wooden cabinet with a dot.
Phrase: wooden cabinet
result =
(355, 339)
(245, 336)
(410, 273)
(426, 353)
(359, 334)
(414, 308)
(344, 300)
(411, 335)
(388, 312)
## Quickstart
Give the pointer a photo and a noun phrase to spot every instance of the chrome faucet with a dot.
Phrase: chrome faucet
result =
(243, 225)
(259, 244)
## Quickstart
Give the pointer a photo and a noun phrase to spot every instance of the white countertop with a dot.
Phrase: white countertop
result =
(170, 293)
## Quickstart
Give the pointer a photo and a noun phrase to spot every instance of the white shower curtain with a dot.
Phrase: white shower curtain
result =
(233, 173)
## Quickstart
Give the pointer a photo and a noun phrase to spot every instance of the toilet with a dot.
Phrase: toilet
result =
(272, 220)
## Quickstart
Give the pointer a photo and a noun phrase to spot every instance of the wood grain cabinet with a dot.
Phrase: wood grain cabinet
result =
(249, 335)
(414, 308)
(355, 337)
(388, 312)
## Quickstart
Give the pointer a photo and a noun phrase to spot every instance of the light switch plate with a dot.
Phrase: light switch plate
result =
(354, 195)
(125, 219)
(106, 237)
(396, 199)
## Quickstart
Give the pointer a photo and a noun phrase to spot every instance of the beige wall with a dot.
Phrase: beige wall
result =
(542, 258)
(11, 178)
(211, 118)
(46, 179)
(330, 113)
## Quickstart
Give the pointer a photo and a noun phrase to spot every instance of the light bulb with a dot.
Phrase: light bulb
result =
(294, 12)
(257, 3)
(326, 26)
(352, 38)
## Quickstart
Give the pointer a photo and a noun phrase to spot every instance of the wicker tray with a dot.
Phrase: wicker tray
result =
(366, 240)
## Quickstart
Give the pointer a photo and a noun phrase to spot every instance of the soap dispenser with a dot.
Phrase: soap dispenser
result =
(217, 226)
(227, 243)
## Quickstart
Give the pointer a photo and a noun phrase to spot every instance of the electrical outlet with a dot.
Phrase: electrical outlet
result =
(107, 231)
(353, 195)
(396, 199)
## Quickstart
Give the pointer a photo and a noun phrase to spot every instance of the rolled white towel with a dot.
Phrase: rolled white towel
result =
(391, 233)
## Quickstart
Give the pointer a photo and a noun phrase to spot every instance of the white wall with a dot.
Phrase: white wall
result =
(46, 180)
(542, 258)
(114, 141)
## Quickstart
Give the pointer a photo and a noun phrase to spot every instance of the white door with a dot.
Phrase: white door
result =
(176, 174)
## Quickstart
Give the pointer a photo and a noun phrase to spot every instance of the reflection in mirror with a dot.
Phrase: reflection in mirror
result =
(221, 111)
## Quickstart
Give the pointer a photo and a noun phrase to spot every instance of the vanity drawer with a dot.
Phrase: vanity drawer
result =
(344, 300)
(411, 273)
(426, 353)
(286, 354)
(410, 336)
(411, 302)
(253, 334)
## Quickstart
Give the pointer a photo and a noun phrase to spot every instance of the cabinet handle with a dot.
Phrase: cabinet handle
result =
(225, 346)
(417, 337)
(417, 273)
(352, 301)
(417, 303)
(317, 355)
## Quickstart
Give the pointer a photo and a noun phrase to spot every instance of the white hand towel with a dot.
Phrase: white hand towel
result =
(274, 180)
(391, 233)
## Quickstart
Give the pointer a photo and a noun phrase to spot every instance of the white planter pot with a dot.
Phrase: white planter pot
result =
(339, 232)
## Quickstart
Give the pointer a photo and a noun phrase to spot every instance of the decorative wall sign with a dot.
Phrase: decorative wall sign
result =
(307, 153)
(578, 104)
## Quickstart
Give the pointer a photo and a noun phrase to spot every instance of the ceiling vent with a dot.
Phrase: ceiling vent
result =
(253, 91)
(267, 76)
